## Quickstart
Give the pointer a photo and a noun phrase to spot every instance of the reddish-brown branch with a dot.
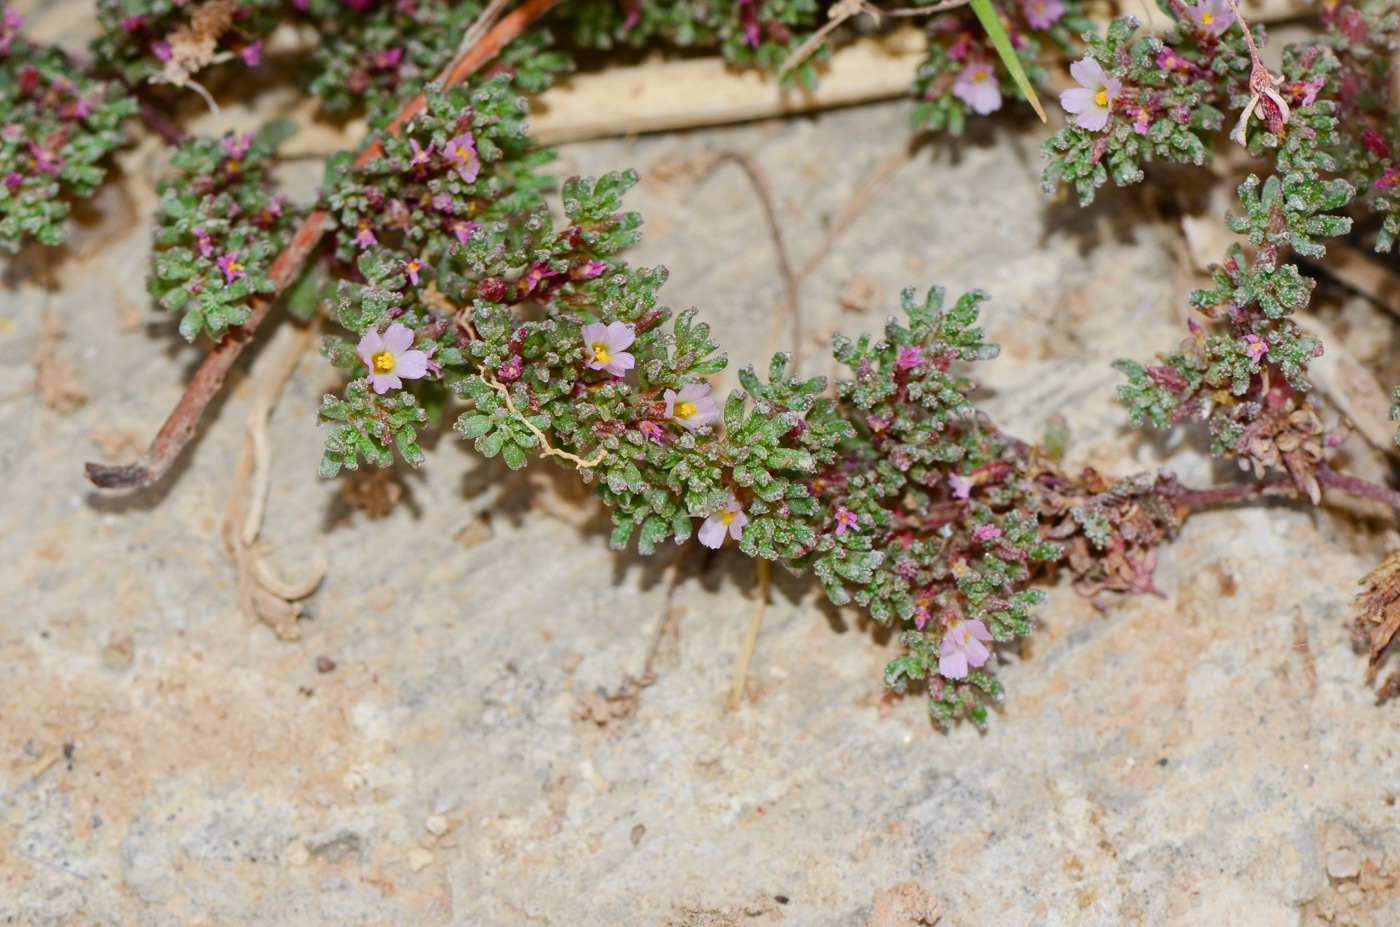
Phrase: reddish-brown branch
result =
(1331, 479)
(180, 426)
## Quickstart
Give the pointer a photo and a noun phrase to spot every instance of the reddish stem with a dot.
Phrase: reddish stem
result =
(1331, 479)
(180, 426)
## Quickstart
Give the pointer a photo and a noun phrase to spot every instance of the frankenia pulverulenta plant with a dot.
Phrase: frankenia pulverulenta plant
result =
(1326, 124)
(434, 250)
(57, 125)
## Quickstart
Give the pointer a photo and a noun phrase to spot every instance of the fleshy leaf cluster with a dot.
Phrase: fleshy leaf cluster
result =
(56, 126)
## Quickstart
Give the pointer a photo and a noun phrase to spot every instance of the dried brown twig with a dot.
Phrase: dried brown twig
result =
(180, 426)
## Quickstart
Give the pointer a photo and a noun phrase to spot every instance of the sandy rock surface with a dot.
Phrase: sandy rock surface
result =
(444, 744)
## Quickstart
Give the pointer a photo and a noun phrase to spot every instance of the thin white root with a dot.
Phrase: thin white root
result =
(546, 449)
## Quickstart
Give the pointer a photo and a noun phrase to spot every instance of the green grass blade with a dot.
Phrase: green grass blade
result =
(987, 14)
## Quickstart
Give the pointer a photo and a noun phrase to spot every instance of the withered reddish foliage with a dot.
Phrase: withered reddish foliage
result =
(1379, 619)
(1110, 527)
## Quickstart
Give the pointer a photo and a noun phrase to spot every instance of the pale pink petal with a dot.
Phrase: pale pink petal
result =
(979, 631)
(411, 364)
(976, 652)
(736, 527)
(381, 383)
(1089, 73)
(711, 533)
(1093, 120)
(1078, 100)
(620, 336)
(398, 338)
(953, 666)
(1112, 86)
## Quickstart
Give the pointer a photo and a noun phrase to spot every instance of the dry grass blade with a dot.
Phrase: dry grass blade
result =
(741, 666)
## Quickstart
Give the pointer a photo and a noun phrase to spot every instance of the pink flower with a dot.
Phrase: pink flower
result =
(1142, 120)
(388, 357)
(1042, 14)
(909, 358)
(536, 275)
(846, 519)
(13, 181)
(419, 155)
(252, 54)
(10, 21)
(634, 14)
(411, 267)
(1388, 178)
(691, 408)
(651, 430)
(1311, 89)
(921, 616)
(1212, 17)
(388, 58)
(206, 244)
(46, 159)
(605, 347)
(977, 87)
(129, 24)
(876, 425)
(964, 645)
(511, 369)
(462, 149)
(463, 230)
(237, 147)
(398, 215)
(592, 269)
(1092, 100)
(1255, 348)
(984, 533)
(958, 50)
(365, 237)
(161, 51)
(731, 518)
(228, 263)
(1169, 60)
(962, 485)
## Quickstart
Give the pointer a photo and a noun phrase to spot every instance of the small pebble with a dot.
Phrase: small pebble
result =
(436, 825)
(419, 859)
(325, 665)
(297, 854)
(638, 833)
(1343, 863)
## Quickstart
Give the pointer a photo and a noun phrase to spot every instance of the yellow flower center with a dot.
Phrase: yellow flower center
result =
(1207, 19)
(726, 517)
(383, 362)
(1040, 7)
(600, 354)
(234, 164)
(979, 75)
(686, 410)
(413, 266)
(234, 267)
(1100, 98)
(966, 635)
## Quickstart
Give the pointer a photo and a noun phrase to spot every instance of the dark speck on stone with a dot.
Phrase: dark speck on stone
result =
(325, 665)
(1162, 761)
